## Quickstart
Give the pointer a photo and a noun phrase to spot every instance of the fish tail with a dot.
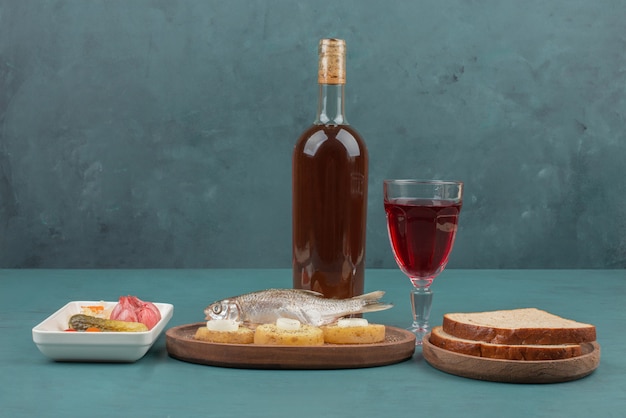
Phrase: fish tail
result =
(372, 302)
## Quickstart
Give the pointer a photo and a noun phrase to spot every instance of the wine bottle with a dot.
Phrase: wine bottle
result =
(329, 190)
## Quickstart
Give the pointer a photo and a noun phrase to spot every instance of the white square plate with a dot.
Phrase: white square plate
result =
(54, 342)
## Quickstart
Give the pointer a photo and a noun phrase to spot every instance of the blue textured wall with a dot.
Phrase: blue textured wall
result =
(158, 133)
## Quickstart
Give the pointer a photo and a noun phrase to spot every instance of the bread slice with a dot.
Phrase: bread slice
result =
(440, 338)
(518, 326)
(368, 334)
(270, 334)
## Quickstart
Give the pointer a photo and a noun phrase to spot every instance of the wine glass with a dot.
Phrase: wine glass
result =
(422, 218)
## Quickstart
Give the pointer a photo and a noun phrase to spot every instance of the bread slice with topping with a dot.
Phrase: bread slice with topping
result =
(440, 338)
(242, 335)
(517, 326)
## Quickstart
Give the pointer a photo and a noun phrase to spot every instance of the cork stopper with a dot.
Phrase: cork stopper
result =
(332, 63)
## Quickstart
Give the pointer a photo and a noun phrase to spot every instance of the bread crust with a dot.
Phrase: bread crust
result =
(467, 326)
(440, 338)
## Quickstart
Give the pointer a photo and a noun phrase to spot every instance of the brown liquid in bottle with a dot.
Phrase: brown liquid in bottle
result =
(330, 166)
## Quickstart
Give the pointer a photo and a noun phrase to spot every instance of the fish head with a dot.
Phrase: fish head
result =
(223, 309)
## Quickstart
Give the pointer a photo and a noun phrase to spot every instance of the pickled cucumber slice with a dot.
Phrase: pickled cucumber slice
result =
(81, 322)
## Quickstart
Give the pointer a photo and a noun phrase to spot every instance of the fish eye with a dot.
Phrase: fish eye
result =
(216, 308)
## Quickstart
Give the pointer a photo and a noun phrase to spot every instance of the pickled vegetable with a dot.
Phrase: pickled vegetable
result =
(82, 322)
(131, 308)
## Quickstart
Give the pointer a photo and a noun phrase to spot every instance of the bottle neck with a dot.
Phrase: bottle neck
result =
(330, 106)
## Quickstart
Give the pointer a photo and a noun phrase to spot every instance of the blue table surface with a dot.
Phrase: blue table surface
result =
(160, 386)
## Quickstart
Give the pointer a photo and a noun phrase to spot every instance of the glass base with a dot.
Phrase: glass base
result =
(419, 331)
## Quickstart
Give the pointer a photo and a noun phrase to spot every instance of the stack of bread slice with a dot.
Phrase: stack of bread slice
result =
(517, 334)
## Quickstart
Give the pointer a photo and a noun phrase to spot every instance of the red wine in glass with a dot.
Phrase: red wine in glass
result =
(422, 219)
(422, 234)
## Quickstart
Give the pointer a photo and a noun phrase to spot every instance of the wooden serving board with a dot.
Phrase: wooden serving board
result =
(513, 371)
(399, 345)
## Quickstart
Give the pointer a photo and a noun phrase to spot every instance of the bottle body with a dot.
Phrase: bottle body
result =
(330, 178)
(329, 175)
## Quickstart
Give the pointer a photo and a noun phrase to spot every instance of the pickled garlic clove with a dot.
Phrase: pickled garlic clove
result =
(133, 309)
(152, 307)
(124, 310)
(147, 316)
(133, 301)
(148, 313)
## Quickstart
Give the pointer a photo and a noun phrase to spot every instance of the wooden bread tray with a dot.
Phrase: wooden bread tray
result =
(399, 345)
(513, 371)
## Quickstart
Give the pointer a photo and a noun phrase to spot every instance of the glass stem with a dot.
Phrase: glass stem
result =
(421, 301)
